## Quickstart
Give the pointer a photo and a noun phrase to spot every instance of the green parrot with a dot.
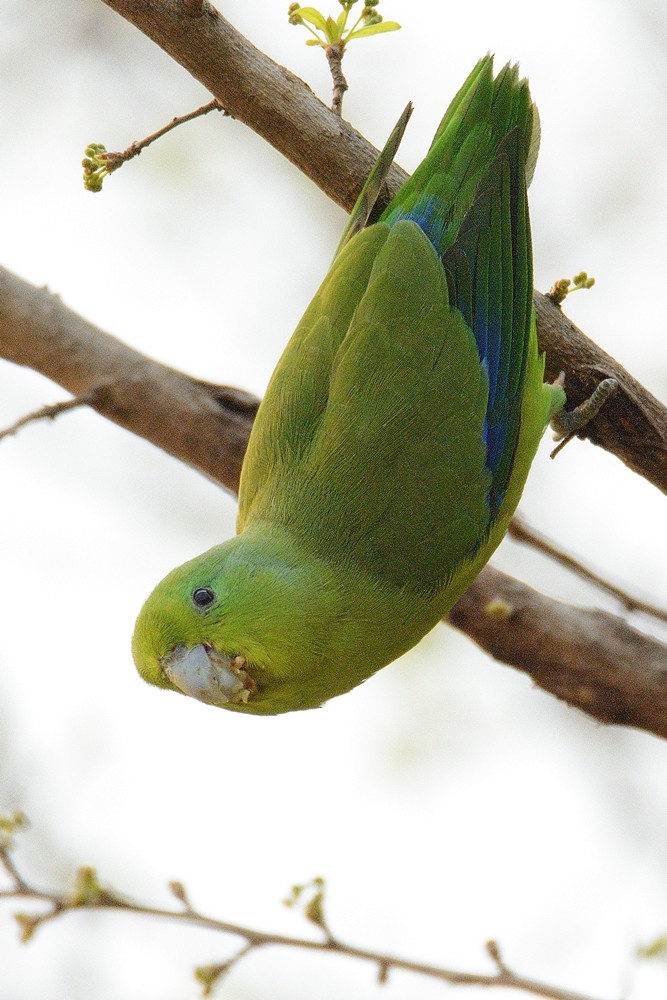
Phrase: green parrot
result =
(392, 445)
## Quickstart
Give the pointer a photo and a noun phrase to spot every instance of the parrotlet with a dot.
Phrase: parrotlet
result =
(392, 445)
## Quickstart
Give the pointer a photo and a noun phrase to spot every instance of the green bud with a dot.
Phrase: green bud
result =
(654, 949)
(314, 911)
(95, 166)
(582, 280)
(9, 827)
(28, 924)
(499, 609)
(208, 976)
(87, 890)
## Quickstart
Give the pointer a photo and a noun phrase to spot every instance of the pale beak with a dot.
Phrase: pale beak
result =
(209, 676)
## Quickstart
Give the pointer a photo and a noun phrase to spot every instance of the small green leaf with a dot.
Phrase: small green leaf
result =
(332, 32)
(313, 17)
(373, 29)
(314, 41)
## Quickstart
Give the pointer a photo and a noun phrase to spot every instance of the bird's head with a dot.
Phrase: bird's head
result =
(237, 627)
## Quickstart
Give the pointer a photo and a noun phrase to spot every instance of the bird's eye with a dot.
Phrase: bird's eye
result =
(202, 597)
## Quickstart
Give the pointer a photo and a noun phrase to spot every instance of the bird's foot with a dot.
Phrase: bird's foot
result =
(566, 423)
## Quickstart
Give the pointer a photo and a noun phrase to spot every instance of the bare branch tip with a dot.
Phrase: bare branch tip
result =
(49, 412)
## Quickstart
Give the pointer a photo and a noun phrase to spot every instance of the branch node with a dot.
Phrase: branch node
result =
(499, 609)
(383, 973)
(493, 951)
(177, 889)
(334, 54)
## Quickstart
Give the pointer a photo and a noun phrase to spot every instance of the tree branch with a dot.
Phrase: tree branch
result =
(283, 110)
(99, 162)
(88, 893)
(632, 424)
(589, 658)
(48, 412)
(522, 532)
(204, 425)
(273, 102)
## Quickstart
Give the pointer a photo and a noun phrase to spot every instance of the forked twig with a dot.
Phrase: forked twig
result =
(88, 893)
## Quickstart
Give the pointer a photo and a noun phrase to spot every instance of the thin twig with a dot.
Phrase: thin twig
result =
(116, 160)
(49, 412)
(334, 54)
(521, 532)
(89, 894)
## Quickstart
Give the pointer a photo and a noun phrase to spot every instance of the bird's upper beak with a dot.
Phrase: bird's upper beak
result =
(207, 675)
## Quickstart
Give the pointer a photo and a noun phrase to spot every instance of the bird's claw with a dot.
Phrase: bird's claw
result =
(566, 423)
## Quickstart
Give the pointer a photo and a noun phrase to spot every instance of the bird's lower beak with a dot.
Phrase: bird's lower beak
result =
(207, 675)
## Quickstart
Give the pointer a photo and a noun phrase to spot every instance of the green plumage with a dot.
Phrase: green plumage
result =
(392, 444)
(354, 420)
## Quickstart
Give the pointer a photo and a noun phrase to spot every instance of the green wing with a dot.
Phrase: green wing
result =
(368, 446)
(390, 432)
(297, 395)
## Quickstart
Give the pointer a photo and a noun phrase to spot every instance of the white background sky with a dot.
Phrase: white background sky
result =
(445, 800)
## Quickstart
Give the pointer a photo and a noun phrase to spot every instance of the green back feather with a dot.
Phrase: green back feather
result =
(388, 435)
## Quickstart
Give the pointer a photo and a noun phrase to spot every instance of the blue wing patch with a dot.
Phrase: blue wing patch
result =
(488, 267)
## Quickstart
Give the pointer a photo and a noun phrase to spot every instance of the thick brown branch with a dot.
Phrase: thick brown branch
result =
(632, 424)
(205, 426)
(284, 111)
(588, 658)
